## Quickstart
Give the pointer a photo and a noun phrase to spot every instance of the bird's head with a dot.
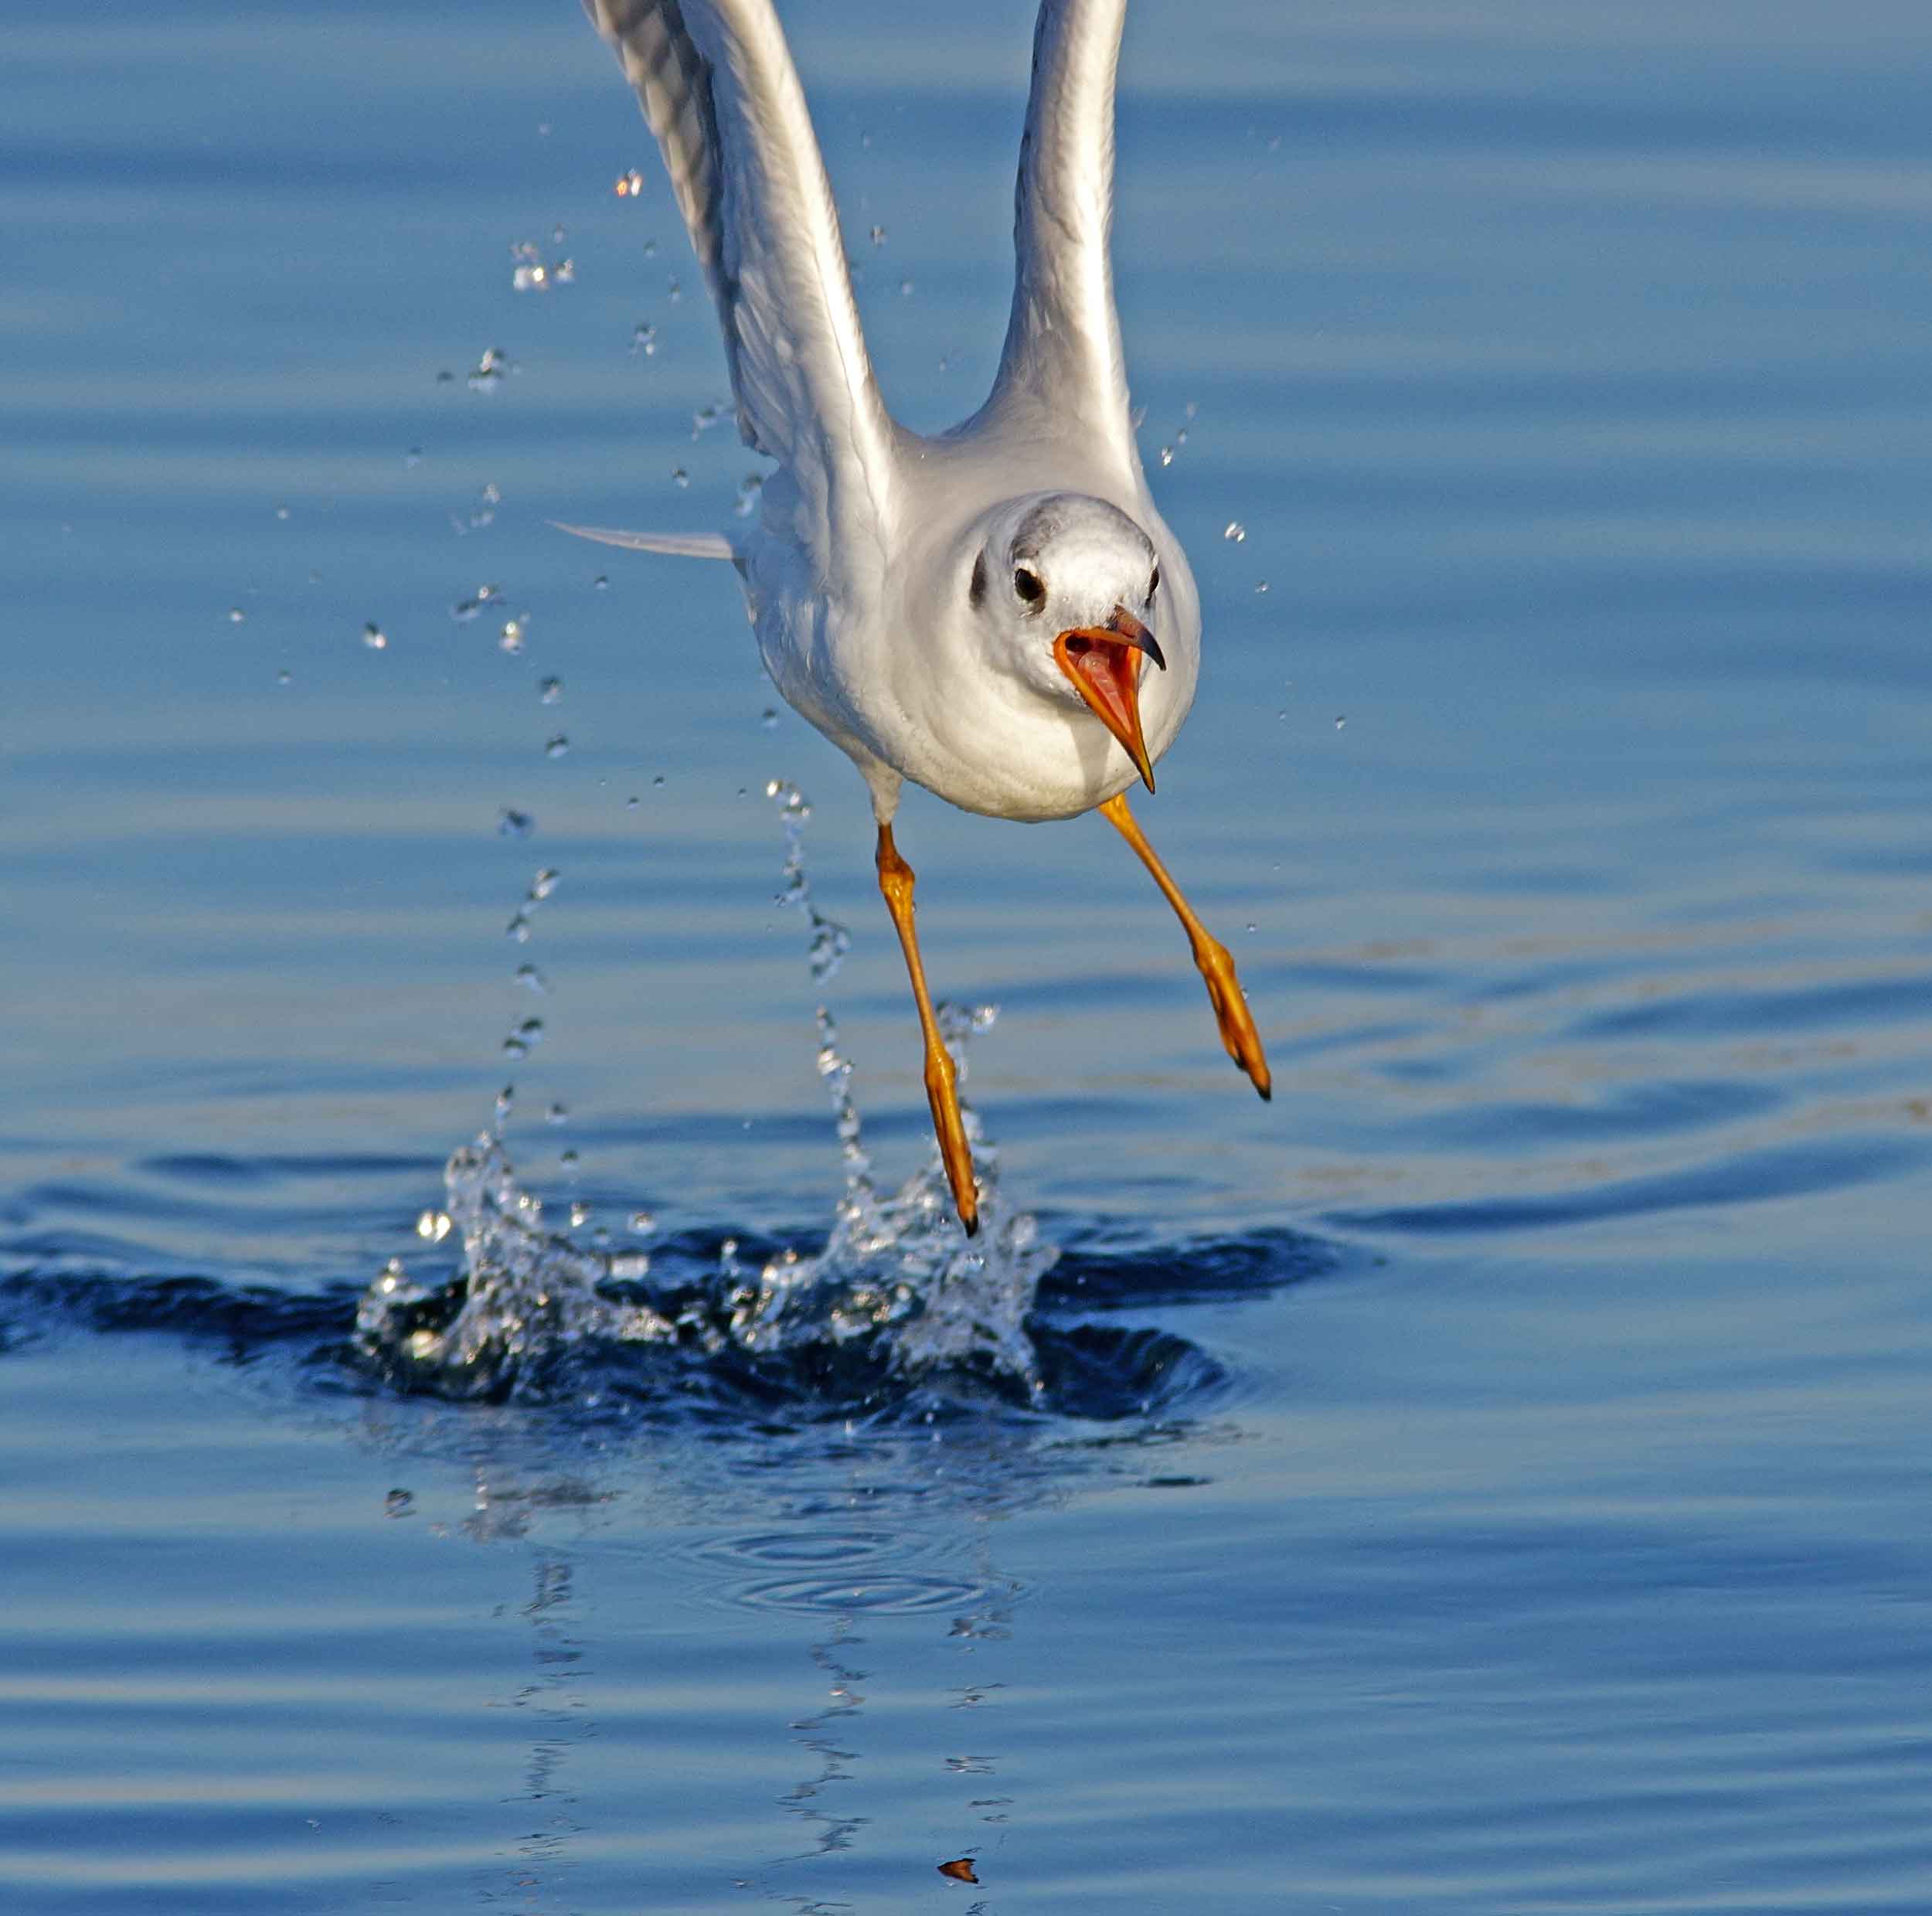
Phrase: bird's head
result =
(1065, 592)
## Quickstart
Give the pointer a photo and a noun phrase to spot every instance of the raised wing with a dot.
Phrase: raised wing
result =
(1063, 354)
(717, 82)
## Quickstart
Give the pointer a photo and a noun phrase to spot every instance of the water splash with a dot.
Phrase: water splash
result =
(526, 1303)
(899, 1297)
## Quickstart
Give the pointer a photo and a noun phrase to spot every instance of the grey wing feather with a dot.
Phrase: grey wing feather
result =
(1063, 351)
(717, 82)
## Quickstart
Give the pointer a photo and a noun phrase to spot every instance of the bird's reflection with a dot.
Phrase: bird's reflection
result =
(844, 1813)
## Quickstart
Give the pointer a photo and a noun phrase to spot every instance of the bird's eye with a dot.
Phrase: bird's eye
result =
(1153, 584)
(1028, 586)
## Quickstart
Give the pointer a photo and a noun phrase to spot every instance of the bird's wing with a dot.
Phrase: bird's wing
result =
(1062, 355)
(717, 82)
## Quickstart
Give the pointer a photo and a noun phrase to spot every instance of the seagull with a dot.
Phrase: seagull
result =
(997, 613)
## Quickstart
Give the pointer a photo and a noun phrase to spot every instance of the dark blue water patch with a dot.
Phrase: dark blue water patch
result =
(1751, 1177)
(1090, 1366)
(1104, 1270)
(1730, 1013)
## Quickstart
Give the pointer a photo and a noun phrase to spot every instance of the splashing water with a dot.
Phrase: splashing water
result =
(899, 1297)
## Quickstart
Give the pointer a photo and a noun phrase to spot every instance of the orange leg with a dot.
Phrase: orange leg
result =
(895, 881)
(1224, 989)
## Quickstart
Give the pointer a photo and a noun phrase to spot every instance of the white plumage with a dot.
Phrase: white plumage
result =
(977, 611)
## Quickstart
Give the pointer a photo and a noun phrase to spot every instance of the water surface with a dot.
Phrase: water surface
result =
(1485, 1479)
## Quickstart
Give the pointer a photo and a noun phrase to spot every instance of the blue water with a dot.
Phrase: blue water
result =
(1489, 1478)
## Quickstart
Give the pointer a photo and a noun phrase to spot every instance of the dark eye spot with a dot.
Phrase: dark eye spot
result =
(976, 588)
(1028, 586)
(1154, 584)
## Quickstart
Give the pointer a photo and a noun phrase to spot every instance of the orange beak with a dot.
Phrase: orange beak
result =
(1103, 664)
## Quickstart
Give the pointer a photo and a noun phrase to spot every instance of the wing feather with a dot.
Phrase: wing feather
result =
(717, 82)
(1062, 352)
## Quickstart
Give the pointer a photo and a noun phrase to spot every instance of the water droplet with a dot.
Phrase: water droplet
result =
(642, 1223)
(464, 610)
(433, 1226)
(644, 338)
(413, 458)
(1260, 585)
(549, 690)
(284, 677)
(659, 780)
(1253, 926)
(374, 637)
(679, 478)
(515, 1047)
(483, 513)
(399, 1503)
(490, 371)
(769, 720)
(544, 883)
(1235, 532)
(235, 615)
(704, 418)
(601, 583)
(629, 185)
(281, 512)
(1167, 455)
(513, 824)
(1340, 721)
(530, 272)
(518, 928)
(749, 487)
(580, 1211)
(674, 292)
(529, 974)
(505, 1099)
(877, 236)
(512, 640)
(905, 289)
(556, 747)
(557, 1113)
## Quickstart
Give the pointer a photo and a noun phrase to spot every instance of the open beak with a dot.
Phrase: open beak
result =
(1104, 663)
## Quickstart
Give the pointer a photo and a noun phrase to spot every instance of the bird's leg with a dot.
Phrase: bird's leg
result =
(895, 881)
(1224, 989)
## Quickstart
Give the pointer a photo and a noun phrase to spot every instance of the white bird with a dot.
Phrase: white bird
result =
(976, 611)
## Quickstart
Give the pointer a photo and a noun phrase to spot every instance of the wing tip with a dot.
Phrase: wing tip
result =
(677, 545)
